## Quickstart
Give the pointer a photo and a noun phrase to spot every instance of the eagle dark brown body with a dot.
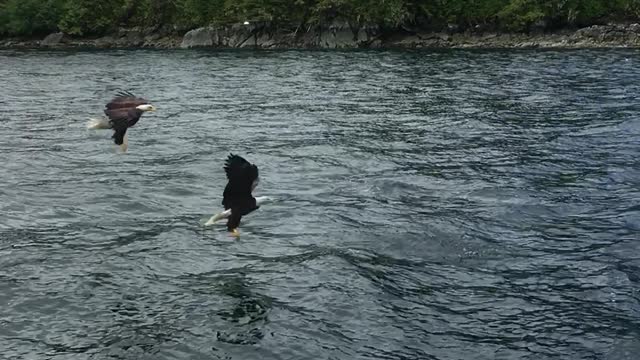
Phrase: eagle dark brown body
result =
(123, 112)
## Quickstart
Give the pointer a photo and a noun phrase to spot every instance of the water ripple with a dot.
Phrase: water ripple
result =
(432, 205)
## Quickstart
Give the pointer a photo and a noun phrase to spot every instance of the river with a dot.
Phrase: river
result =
(430, 205)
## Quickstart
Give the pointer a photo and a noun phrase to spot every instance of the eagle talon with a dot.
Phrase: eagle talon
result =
(235, 233)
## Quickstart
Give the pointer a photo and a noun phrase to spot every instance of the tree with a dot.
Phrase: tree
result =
(29, 17)
(91, 17)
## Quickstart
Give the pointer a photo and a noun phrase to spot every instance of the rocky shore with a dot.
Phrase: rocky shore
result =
(337, 36)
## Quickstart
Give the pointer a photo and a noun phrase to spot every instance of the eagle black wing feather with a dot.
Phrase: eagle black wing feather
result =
(125, 100)
(242, 177)
(119, 126)
(237, 168)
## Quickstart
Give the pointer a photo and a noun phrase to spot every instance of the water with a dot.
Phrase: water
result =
(431, 205)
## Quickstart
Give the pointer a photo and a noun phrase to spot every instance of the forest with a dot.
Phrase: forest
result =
(89, 17)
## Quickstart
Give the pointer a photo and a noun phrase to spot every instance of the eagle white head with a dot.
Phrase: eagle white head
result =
(146, 107)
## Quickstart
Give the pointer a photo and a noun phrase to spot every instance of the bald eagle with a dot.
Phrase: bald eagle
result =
(122, 112)
(243, 177)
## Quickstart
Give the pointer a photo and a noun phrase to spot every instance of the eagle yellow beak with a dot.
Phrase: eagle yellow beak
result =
(153, 108)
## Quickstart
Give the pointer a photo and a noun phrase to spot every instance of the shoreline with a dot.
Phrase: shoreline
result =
(337, 36)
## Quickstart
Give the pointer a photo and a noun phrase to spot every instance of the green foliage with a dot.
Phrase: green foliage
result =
(380, 12)
(520, 14)
(258, 10)
(27, 17)
(82, 17)
(193, 13)
(91, 17)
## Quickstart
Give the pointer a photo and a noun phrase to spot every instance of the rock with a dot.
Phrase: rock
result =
(589, 32)
(489, 36)
(163, 42)
(152, 37)
(240, 35)
(307, 40)
(375, 44)
(105, 42)
(52, 39)
(199, 38)
(337, 38)
(236, 36)
(435, 36)
(528, 44)
(265, 41)
(429, 43)
(607, 35)
(634, 28)
(341, 34)
(132, 38)
(614, 35)
(633, 38)
(594, 32)
(408, 41)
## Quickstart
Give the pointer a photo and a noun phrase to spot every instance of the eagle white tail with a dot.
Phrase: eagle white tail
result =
(219, 216)
(260, 200)
(101, 123)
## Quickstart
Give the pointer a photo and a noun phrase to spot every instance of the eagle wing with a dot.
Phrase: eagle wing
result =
(128, 115)
(241, 175)
(119, 125)
(125, 100)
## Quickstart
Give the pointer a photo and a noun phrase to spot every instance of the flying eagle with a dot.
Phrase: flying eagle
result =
(237, 198)
(122, 112)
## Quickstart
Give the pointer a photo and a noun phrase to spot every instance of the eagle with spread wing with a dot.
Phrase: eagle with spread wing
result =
(237, 198)
(242, 178)
(122, 112)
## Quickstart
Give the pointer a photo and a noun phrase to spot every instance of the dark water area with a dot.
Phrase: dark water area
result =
(430, 205)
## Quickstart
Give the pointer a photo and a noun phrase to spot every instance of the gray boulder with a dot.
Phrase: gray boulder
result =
(265, 41)
(240, 35)
(341, 34)
(618, 34)
(200, 37)
(334, 39)
(105, 42)
(52, 39)
(131, 38)
(634, 28)
(337, 35)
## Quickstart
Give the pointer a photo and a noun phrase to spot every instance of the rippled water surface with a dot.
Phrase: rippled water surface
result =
(447, 205)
